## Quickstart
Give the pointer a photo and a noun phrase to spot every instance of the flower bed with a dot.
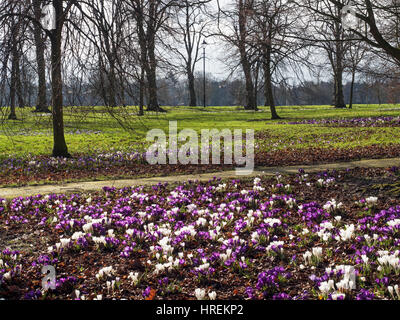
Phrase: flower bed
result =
(383, 121)
(320, 236)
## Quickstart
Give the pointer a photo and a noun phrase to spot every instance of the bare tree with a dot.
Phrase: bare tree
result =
(355, 55)
(326, 34)
(234, 28)
(191, 26)
(152, 20)
(377, 21)
(274, 23)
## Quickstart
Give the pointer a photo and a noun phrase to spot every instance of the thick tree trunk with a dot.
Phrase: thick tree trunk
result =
(41, 104)
(192, 90)
(60, 147)
(250, 101)
(152, 91)
(152, 81)
(339, 96)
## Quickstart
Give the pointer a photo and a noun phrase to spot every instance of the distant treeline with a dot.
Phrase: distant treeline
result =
(232, 93)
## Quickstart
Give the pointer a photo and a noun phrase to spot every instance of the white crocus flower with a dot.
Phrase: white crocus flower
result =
(371, 200)
(347, 233)
(390, 289)
(212, 295)
(200, 294)
(326, 286)
(134, 277)
(65, 242)
(396, 289)
(307, 257)
(364, 258)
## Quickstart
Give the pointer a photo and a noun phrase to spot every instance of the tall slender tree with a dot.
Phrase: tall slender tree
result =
(40, 44)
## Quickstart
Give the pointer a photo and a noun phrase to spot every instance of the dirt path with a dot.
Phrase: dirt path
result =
(9, 193)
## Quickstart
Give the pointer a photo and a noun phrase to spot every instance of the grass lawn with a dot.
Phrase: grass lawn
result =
(92, 129)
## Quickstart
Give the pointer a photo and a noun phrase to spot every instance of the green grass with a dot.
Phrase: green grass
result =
(32, 134)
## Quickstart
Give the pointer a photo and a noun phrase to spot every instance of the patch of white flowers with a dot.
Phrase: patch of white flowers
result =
(313, 257)
(394, 223)
(256, 185)
(134, 277)
(396, 289)
(371, 200)
(105, 272)
(347, 233)
(346, 284)
(200, 294)
(388, 261)
(367, 202)
(324, 233)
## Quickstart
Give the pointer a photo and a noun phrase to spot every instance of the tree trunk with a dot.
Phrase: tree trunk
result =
(151, 66)
(141, 93)
(192, 90)
(268, 89)
(14, 90)
(143, 59)
(353, 76)
(15, 85)
(111, 78)
(60, 147)
(251, 104)
(12, 115)
(256, 76)
(250, 101)
(152, 82)
(339, 97)
(334, 90)
(41, 104)
(338, 69)
(152, 91)
(18, 84)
